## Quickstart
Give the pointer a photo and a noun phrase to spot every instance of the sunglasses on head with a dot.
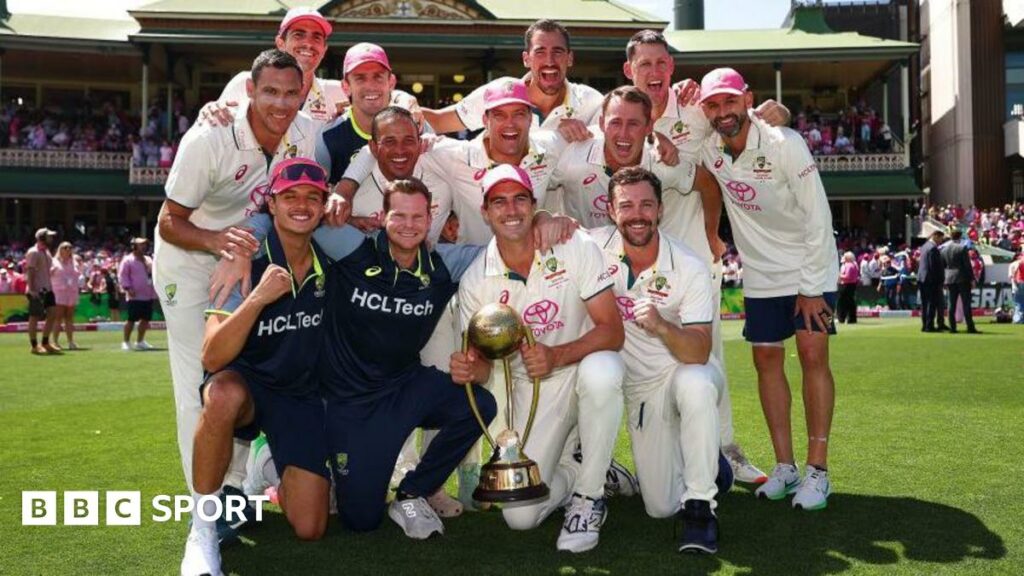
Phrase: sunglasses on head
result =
(302, 172)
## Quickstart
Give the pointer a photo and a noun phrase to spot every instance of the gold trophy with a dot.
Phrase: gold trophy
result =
(510, 476)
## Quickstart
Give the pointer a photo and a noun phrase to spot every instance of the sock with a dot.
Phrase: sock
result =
(46, 340)
(34, 342)
(822, 468)
(209, 508)
(270, 472)
(403, 495)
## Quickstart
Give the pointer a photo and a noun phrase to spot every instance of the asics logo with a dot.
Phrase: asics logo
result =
(589, 179)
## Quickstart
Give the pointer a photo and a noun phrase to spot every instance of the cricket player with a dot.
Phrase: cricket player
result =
(261, 353)
(783, 229)
(303, 33)
(219, 178)
(555, 103)
(564, 298)
(673, 383)
(692, 218)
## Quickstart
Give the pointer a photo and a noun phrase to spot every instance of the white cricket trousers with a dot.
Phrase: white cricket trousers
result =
(673, 430)
(587, 399)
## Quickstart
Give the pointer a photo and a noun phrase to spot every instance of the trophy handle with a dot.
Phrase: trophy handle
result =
(472, 398)
(536, 394)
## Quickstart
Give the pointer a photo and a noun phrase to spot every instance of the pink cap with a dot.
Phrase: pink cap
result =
(722, 81)
(505, 91)
(299, 14)
(296, 171)
(506, 173)
(364, 53)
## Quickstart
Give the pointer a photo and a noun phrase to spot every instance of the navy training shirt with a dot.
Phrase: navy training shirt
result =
(281, 349)
(337, 144)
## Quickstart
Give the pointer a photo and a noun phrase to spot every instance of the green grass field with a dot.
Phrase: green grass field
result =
(926, 451)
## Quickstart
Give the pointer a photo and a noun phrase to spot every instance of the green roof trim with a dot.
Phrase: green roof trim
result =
(870, 185)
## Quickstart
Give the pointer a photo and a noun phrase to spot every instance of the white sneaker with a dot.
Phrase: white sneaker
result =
(256, 481)
(126, 347)
(783, 480)
(582, 527)
(202, 553)
(814, 490)
(416, 518)
(143, 346)
(619, 481)
(742, 469)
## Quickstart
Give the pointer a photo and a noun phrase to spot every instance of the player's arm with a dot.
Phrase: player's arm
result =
(177, 229)
(689, 344)
(445, 120)
(607, 333)
(228, 327)
(801, 172)
(711, 200)
(124, 278)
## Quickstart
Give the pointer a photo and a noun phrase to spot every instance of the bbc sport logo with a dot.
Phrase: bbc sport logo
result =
(124, 508)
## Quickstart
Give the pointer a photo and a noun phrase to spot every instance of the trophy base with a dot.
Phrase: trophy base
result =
(510, 482)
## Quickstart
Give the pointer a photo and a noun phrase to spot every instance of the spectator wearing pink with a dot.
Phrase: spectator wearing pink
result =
(166, 154)
(64, 277)
(6, 281)
(136, 278)
(849, 277)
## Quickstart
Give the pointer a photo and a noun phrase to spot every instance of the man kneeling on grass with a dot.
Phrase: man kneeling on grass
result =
(260, 354)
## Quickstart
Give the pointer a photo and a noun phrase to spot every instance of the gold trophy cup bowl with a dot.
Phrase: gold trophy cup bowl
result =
(509, 476)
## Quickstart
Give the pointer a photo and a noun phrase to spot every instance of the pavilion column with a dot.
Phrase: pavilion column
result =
(170, 109)
(905, 109)
(778, 82)
(885, 99)
(1, 70)
(144, 105)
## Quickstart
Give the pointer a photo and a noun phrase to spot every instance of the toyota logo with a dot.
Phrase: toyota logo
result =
(543, 312)
(741, 192)
(258, 195)
(626, 305)
(601, 203)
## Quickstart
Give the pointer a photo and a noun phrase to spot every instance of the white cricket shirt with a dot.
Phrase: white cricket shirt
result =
(581, 103)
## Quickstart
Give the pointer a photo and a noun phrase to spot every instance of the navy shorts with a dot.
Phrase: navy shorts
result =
(294, 425)
(772, 319)
(139, 310)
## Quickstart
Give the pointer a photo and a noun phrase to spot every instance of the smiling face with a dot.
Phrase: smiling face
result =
(369, 87)
(305, 41)
(298, 209)
(396, 147)
(549, 60)
(508, 210)
(508, 131)
(407, 220)
(636, 212)
(625, 125)
(275, 99)
(728, 112)
(651, 70)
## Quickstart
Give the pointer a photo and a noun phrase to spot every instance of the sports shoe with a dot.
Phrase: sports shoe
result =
(742, 469)
(235, 522)
(73, 346)
(725, 479)
(814, 490)
(202, 553)
(126, 347)
(783, 480)
(143, 346)
(619, 481)
(444, 505)
(38, 350)
(256, 481)
(53, 349)
(700, 528)
(416, 518)
(582, 527)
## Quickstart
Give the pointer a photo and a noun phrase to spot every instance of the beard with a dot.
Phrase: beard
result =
(736, 127)
(635, 238)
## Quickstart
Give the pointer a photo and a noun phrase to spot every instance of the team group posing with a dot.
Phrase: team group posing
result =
(371, 242)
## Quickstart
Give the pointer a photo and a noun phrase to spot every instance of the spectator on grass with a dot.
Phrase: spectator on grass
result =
(39, 291)
(136, 278)
(64, 277)
(6, 281)
(958, 277)
(849, 278)
(889, 282)
(1017, 287)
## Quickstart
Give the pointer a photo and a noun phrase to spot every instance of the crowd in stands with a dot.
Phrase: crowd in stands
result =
(857, 129)
(999, 227)
(96, 127)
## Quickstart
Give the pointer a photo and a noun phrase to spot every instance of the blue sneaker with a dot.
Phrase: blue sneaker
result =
(725, 478)
(700, 528)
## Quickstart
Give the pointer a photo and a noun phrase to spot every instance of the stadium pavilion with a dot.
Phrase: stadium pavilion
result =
(186, 50)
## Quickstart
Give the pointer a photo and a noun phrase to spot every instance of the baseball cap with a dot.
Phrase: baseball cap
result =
(722, 81)
(139, 240)
(364, 53)
(505, 91)
(506, 173)
(44, 232)
(295, 171)
(299, 14)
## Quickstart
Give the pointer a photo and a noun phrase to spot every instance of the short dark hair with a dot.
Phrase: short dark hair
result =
(632, 175)
(630, 94)
(274, 58)
(390, 113)
(407, 186)
(545, 25)
(645, 37)
(956, 234)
